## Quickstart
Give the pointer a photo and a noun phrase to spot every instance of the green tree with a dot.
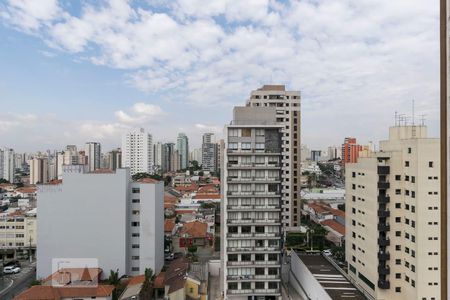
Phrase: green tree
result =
(192, 249)
(114, 280)
(142, 175)
(3, 180)
(147, 287)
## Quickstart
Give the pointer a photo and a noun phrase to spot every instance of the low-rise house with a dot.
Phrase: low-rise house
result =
(169, 227)
(336, 231)
(193, 233)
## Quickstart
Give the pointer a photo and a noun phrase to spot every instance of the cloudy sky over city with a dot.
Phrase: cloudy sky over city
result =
(77, 71)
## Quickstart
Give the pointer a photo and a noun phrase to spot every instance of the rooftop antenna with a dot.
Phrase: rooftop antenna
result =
(396, 118)
(413, 112)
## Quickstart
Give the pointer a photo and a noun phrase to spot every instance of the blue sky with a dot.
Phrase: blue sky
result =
(78, 71)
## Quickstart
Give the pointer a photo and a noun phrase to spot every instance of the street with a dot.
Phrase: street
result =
(21, 281)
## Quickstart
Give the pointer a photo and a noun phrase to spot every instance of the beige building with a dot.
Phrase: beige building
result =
(287, 107)
(392, 217)
(17, 234)
(38, 170)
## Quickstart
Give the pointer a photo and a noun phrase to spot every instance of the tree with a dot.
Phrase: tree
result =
(3, 180)
(114, 280)
(200, 173)
(192, 249)
(142, 175)
(147, 287)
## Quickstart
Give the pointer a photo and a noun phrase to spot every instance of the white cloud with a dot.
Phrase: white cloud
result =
(339, 53)
(141, 113)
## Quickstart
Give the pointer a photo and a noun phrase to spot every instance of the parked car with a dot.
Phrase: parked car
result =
(169, 256)
(327, 252)
(11, 270)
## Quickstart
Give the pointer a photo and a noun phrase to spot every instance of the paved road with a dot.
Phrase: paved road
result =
(21, 282)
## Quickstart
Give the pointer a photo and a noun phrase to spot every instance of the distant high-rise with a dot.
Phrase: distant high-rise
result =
(350, 150)
(169, 149)
(333, 153)
(196, 155)
(92, 150)
(7, 164)
(137, 152)
(158, 156)
(115, 159)
(39, 170)
(287, 105)
(316, 155)
(392, 217)
(183, 150)
(209, 153)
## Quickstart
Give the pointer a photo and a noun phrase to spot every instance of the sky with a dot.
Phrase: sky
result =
(78, 71)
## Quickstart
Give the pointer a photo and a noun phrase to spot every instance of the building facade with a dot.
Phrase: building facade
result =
(112, 218)
(92, 151)
(287, 105)
(350, 150)
(183, 150)
(137, 151)
(209, 153)
(39, 171)
(18, 234)
(392, 217)
(7, 164)
(252, 197)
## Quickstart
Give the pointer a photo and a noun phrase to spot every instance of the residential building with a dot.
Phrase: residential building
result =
(287, 105)
(137, 151)
(209, 153)
(334, 153)
(251, 235)
(175, 161)
(392, 217)
(92, 150)
(115, 159)
(168, 154)
(128, 218)
(7, 164)
(158, 155)
(350, 150)
(72, 156)
(196, 155)
(18, 233)
(183, 150)
(305, 153)
(316, 155)
(39, 172)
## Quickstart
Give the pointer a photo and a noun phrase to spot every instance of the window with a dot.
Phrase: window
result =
(409, 150)
(430, 164)
(398, 177)
(245, 285)
(233, 132)
(246, 132)
(246, 146)
(259, 132)
(232, 146)
(398, 289)
(135, 190)
(135, 246)
(406, 163)
(259, 146)
(135, 224)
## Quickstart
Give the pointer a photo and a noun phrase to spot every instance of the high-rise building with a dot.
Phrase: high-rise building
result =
(104, 216)
(445, 139)
(183, 150)
(72, 156)
(333, 152)
(39, 172)
(392, 217)
(316, 155)
(196, 155)
(115, 159)
(350, 150)
(209, 153)
(92, 150)
(169, 149)
(175, 161)
(287, 105)
(137, 152)
(7, 164)
(158, 156)
(252, 188)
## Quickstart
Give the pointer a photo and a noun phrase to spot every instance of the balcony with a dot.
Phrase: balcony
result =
(249, 235)
(384, 256)
(384, 270)
(254, 292)
(240, 263)
(382, 199)
(384, 227)
(384, 284)
(254, 249)
(384, 213)
(383, 185)
(383, 242)
(383, 170)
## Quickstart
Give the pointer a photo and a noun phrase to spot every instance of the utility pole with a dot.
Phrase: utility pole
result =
(29, 251)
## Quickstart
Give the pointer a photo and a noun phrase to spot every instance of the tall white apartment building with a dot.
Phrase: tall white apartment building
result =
(287, 105)
(39, 171)
(92, 151)
(183, 150)
(104, 216)
(72, 156)
(251, 208)
(7, 164)
(196, 155)
(393, 217)
(137, 151)
(158, 155)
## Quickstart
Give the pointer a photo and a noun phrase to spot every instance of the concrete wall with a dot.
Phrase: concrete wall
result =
(303, 281)
(152, 227)
(84, 217)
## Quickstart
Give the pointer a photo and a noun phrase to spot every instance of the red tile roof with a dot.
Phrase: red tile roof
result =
(74, 274)
(206, 196)
(334, 225)
(47, 292)
(210, 188)
(194, 229)
(185, 211)
(319, 209)
(103, 171)
(190, 188)
(27, 190)
(137, 280)
(158, 283)
(169, 224)
(148, 180)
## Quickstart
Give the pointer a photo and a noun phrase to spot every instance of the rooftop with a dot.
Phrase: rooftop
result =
(334, 283)
(47, 292)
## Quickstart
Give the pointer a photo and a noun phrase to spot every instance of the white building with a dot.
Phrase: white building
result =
(7, 164)
(251, 208)
(158, 155)
(137, 152)
(92, 151)
(209, 153)
(39, 172)
(104, 216)
(196, 155)
(393, 217)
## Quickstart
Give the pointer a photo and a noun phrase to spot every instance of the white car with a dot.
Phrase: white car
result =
(327, 252)
(11, 270)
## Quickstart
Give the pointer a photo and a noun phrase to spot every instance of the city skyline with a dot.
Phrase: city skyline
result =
(76, 92)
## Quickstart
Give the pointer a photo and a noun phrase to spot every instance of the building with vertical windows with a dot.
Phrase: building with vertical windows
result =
(350, 150)
(39, 171)
(113, 219)
(251, 208)
(137, 151)
(183, 150)
(287, 107)
(7, 164)
(92, 151)
(209, 153)
(393, 217)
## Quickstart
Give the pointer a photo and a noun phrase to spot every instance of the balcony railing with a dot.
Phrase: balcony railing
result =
(383, 185)
(384, 284)
(384, 213)
(384, 241)
(256, 249)
(383, 199)
(384, 270)
(247, 221)
(254, 292)
(253, 262)
(384, 256)
(384, 227)
(383, 170)
(251, 234)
